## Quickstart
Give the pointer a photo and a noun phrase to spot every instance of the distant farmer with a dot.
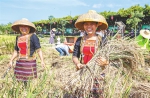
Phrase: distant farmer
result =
(52, 36)
(87, 46)
(64, 48)
(26, 47)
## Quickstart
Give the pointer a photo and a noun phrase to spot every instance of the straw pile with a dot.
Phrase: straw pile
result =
(126, 76)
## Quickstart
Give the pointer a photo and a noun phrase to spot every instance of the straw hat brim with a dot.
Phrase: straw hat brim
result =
(103, 26)
(91, 16)
(145, 33)
(16, 24)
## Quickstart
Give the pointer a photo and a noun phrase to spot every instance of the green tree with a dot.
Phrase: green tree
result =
(50, 20)
(108, 14)
(39, 28)
(135, 19)
(5, 29)
(123, 12)
(146, 10)
(135, 8)
(2, 29)
(63, 23)
(127, 12)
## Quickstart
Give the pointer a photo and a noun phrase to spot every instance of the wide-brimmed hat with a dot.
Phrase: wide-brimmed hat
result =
(54, 29)
(145, 33)
(91, 16)
(23, 21)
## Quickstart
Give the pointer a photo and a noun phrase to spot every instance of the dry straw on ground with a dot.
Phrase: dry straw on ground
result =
(127, 74)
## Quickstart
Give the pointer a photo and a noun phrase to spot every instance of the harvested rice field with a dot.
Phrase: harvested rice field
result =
(126, 76)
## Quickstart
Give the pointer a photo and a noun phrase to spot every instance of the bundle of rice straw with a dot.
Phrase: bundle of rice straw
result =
(126, 72)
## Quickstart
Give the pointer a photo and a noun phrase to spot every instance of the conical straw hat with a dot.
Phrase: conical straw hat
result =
(145, 33)
(23, 21)
(91, 16)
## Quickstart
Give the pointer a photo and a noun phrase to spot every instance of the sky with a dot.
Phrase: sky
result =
(36, 10)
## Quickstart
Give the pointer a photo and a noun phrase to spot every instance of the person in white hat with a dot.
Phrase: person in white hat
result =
(86, 46)
(26, 47)
(143, 39)
(145, 33)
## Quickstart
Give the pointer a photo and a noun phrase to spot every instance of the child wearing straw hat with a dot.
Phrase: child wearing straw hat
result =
(27, 45)
(52, 36)
(88, 45)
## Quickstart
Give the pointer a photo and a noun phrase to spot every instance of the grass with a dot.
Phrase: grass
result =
(7, 44)
(45, 86)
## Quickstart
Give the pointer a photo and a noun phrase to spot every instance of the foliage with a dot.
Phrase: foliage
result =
(123, 13)
(75, 18)
(143, 42)
(135, 8)
(63, 23)
(108, 14)
(147, 10)
(60, 26)
(62, 38)
(127, 12)
(7, 44)
(135, 19)
(5, 29)
(67, 18)
(39, 28)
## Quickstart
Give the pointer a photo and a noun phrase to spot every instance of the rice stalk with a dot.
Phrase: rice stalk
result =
(127, 58)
